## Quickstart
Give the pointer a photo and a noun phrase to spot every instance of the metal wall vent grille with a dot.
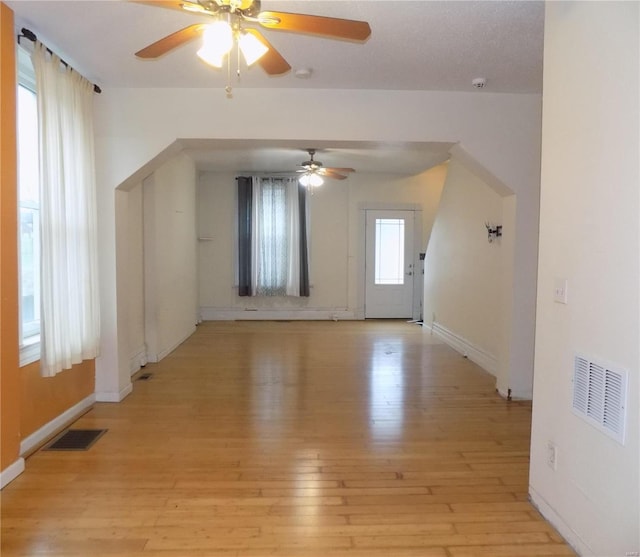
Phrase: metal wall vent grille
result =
(599, 395)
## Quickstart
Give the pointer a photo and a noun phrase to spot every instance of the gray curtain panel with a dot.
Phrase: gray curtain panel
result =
(245, 194)
(304, 243)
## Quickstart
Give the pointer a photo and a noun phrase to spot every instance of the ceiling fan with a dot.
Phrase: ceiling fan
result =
(229, 19)
(313, 171)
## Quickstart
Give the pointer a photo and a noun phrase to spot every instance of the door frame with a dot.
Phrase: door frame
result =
(418, 278)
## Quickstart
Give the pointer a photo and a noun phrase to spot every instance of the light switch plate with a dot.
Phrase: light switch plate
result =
(560, 290)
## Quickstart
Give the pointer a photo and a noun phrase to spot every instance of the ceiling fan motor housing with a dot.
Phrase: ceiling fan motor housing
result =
(247, 6)
(312, 164)
(252, 10)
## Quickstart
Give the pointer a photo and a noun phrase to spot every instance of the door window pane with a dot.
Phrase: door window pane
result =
(389, 251)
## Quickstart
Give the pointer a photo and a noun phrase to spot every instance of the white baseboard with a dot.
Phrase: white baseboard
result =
(163, 353)
(11, 472)
(112, 396)
(41, 435)
(486, 361)
(231, 314)
(138, 359)
(570, 536)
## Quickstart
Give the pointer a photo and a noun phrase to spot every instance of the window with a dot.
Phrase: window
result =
(272, 239)
(389, 256)
(272, 249)
(29, 212)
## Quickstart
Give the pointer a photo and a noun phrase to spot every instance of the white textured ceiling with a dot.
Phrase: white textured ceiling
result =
(414, 45)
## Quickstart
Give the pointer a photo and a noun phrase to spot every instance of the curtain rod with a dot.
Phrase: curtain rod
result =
(289, 174)
(31, 36)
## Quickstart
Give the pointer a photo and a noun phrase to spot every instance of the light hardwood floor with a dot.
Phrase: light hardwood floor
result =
(295, 439)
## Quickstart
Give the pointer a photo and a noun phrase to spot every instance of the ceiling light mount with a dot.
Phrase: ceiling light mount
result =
(303, 73)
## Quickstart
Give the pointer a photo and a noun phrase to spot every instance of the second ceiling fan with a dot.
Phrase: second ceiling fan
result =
(314, 171)
(229, 26)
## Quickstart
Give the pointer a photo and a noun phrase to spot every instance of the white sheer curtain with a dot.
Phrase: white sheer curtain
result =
(276, 237)
(69, 272)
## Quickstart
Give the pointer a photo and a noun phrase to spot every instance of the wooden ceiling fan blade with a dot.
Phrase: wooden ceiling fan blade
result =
(157, 49)
(181, 5)
(332, 27)
(341, 170)
(330, 173)
(272, 62)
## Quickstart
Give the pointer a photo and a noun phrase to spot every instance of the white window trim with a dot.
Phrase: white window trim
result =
(30, 346)
(26, 75)
(30, 351)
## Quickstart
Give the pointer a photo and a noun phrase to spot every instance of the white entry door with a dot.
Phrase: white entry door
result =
(389, 267)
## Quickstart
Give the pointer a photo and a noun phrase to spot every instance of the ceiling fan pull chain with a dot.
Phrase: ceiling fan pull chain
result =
(228, 89)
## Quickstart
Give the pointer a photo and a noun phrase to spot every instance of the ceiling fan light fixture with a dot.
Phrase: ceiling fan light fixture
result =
(217, 41)
(211, 58)
(251, 47)
(311, 179)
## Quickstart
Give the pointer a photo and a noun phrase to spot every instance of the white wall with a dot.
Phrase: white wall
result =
(170, 256)
(463, 272)
(335, 254)
(130, 263)
(499, 131)
(589, 225)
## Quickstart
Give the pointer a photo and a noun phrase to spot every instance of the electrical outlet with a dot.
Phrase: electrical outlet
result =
(552, 455)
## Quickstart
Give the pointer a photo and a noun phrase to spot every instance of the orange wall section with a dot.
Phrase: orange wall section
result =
(9, 371)
(45, 398)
